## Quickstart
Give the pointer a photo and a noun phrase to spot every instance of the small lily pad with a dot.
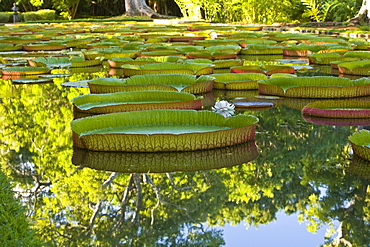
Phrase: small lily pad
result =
(253, 104)
(31, 81)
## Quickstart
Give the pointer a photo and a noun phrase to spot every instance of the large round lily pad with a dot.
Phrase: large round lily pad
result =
(315, 87)
(135, 101)
(360, 142)
(338, 109)
(161, 130)
(163, 82)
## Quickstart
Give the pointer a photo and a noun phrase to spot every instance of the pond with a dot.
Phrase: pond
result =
(297, 166)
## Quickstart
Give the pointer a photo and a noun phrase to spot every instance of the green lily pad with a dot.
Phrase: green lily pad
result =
(237, 81)
(161, 130)
(164, 82)
(360, 142)
(31, 81)
(25, 70)
(315, 87)
(135, 101)
(338, 109)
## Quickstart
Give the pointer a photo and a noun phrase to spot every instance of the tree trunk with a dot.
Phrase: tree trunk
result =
(363, 14)
(140, 8)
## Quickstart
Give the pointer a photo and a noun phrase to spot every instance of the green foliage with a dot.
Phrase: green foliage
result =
(6, 17)
(330, 10)
(44, 14)
(15, 228)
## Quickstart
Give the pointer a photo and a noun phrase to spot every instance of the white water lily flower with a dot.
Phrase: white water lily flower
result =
(223, 107)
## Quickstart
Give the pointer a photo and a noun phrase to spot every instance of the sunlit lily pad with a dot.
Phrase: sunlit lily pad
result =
(61, 62)
(360, 142)
(25, 70)
(161, 130)
(44, 47)
(261, 49)
(163, 82)
(10, 47)
(360, 67)
(315, 87)
(31, 81)
(135, 101)
(129, 162)
(264, 69)
(237, 81)
(338, 109)
(168, 68)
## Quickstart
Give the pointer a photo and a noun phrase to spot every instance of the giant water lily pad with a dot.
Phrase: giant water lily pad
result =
(135, 101)
(315, 87)
(44, 47)
(263, 69)
(25, 70)
(338, 109)
(161, 130)
(130, 162)
(360, 142)
(360, 67)
(237, 81)
(163, 82)
(169, 68)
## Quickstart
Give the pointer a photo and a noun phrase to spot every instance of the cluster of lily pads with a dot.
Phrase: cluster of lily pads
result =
(159, 74)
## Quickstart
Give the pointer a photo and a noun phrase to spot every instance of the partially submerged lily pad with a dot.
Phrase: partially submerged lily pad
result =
(161, 130)
(135, 101)
(338, 109)
(360, 142)
(315, 87)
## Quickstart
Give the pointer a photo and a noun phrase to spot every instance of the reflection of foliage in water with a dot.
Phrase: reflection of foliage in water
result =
(82, 206)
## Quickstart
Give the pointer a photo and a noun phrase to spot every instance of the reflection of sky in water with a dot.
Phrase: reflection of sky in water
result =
(287, 231)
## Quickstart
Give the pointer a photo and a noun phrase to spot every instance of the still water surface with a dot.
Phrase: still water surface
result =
(295, 167)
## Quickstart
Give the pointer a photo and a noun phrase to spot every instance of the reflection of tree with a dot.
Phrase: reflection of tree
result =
(89, 207)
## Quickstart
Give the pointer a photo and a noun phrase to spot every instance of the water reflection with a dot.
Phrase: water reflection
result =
(137, 207)
(162, 162)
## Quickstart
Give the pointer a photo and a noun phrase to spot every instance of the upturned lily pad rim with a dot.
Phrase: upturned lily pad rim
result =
(315, 87)
(135, 100)
(231, 131)
(338, 109)
(360, 142)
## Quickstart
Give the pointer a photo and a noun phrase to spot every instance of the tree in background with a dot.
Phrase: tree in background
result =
(363, 14)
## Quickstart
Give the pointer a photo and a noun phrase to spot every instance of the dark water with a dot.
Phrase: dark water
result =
(295, 166)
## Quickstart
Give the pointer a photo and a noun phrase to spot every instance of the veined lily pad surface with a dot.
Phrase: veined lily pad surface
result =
(169, 68)
(164, 82)
(338, 109)
(159, 162)
(24, 71)
(315, 87)
(360, 142)
(161, 130)
(135, 101)
(237, 81)
(360, 67)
